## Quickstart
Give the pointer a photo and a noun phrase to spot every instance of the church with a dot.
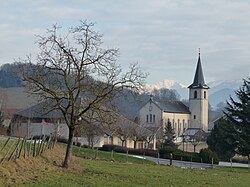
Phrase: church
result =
(157, 113)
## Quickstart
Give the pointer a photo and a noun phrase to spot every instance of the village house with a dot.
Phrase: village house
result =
(39, 120)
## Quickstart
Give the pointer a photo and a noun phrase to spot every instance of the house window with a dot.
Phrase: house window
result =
(194, 116)
(195, 94)
(179, 128)
(205, 94)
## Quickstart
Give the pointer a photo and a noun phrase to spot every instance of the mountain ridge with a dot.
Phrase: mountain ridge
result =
(219, 91)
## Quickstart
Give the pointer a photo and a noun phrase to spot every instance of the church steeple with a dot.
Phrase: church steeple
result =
(198, 99)
(199, 81)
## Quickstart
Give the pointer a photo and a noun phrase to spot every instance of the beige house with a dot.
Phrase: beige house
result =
(158, 113)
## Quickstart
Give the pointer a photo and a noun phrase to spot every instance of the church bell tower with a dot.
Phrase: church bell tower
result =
(198, 100)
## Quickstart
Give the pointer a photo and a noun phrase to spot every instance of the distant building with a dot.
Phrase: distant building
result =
(39, 120)
(158, 113)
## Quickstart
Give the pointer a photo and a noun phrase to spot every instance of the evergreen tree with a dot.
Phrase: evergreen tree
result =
(238, 113)
(223, 139)
(168, 136)
(232, 134)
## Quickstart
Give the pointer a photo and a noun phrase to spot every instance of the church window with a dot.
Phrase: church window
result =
(205, 94)
(184, 125)
(195, 94)
(147, 118)
(153, 118)
(179, 128)
(150, 118)
(194, 116)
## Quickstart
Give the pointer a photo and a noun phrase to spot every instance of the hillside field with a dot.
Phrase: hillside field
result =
(88, 170)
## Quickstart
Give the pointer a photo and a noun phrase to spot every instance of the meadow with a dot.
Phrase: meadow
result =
(87, 168)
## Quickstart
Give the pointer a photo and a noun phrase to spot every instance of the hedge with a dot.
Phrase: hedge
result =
(120, 149)
(179, 154)
(205, 155)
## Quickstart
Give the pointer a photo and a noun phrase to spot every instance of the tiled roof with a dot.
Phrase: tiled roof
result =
(40, 110)
(173, 106)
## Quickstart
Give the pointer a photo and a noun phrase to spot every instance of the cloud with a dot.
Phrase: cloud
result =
(163, 35)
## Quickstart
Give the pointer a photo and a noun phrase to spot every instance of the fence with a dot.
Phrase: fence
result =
(15, 148)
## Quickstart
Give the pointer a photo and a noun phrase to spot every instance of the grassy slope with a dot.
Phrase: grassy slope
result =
(45, 171)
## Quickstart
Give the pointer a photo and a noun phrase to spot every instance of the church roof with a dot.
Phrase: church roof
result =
(199, 81)
(173, 106)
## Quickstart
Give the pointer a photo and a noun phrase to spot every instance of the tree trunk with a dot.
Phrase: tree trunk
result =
(135, 144)
(69, 147)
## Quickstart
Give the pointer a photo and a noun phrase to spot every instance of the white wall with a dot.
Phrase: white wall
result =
(178, 121)
(199, 108)
(154, 110)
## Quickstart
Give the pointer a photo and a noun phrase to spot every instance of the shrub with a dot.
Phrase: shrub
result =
(109, 147)
(207, 155)
(62, 140)
(178, 154)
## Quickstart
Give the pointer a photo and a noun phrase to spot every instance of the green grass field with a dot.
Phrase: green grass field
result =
(85, 170)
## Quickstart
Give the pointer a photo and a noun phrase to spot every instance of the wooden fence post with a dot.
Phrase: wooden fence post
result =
(231, 163)
(24, 148)
(212, 162)
(171, 159)
(127, 156)
(14, 151)
(40, 145)
(4, 144)
(34, 150)
(7, 152)
(112, 154)
(21, 149)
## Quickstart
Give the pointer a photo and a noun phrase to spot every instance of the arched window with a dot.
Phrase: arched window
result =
(147, 118)
(205, 94)
(150, 118)
(153, 118)
(195, 94)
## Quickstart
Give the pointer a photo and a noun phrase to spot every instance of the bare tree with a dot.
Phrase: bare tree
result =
(197, 138)
(140, 133)
(77, 74)
(125, 129)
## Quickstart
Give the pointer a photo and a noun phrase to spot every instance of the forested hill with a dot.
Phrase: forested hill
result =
(9, 76)
(128, 104)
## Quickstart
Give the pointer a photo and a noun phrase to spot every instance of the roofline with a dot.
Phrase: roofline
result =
(177, 112)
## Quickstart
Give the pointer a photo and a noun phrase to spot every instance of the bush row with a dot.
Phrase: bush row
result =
(120, 149)
(205, 155)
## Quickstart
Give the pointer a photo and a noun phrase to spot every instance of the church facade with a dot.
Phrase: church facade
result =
(158, 113)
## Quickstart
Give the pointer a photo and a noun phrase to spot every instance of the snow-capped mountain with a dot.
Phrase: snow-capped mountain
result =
(216, 86)
(219, 91)
(170, 84)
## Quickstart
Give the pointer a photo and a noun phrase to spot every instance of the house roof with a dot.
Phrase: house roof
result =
(199, 81)
(191, 131)
(40, 110)
(172, 106)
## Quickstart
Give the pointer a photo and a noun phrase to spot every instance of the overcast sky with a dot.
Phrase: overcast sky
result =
(163, 36)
